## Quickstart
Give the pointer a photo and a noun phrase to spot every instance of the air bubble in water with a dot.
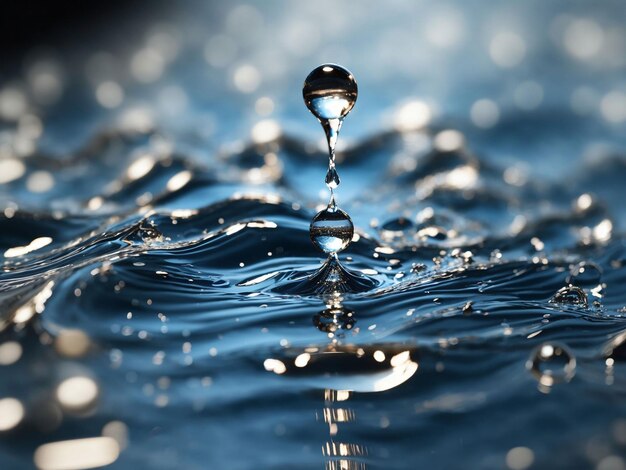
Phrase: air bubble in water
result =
(570, 295)
(551, 364)
(331, 230)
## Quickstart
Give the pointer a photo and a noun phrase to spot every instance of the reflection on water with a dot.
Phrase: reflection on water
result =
(342, 369)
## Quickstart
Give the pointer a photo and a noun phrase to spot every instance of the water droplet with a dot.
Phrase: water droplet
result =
(418, 267)
(332, 178)
(331, 230)
(585, 274)
(330, 92)
(570, 295)
(551, 364)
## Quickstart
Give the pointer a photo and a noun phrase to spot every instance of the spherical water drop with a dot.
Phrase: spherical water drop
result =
(330, 92)
(551, 364)
(332, 178)
(570, 295)
(331, 230)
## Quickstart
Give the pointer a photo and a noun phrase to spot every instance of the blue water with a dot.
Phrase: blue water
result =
(170, 262)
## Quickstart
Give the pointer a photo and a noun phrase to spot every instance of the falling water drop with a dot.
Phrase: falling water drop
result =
(551, 364)
(330, 92)
(332, 178)
(331, 230)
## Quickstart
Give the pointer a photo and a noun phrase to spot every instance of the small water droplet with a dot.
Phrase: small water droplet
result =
(570, 295)
(332, 178)
(551, 364)
(330, 92)
(331, 230)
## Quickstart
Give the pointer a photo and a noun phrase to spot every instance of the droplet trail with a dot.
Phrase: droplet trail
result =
(330, 92)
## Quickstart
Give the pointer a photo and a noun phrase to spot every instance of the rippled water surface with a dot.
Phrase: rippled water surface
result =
(159, 288)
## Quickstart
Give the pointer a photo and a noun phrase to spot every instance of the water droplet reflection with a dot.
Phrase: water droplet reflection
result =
(551, 364)
(330, 92)
(331, 230)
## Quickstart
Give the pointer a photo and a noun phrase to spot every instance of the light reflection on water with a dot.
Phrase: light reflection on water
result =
(157, 306)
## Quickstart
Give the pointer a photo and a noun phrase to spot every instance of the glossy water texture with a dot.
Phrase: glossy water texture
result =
(193, 318)
(163, 306)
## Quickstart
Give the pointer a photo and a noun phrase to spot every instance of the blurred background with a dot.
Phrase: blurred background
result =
(217, 68)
